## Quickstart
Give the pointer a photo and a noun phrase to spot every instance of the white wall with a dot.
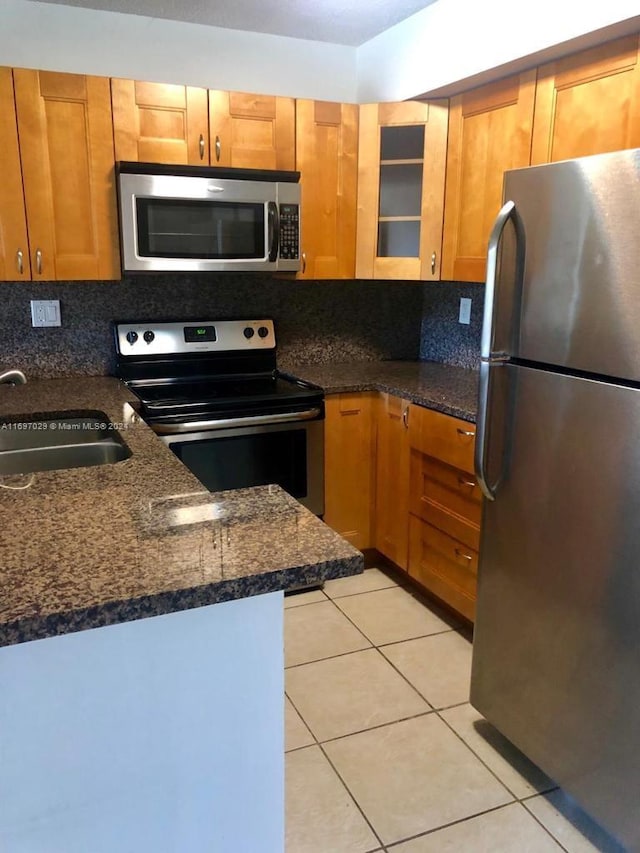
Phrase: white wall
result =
(454, 39)
(65, 38)
(448, 41)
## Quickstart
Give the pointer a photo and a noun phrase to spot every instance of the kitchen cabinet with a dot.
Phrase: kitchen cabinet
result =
(401, 173)
(160, 123)
(66, 149)
(252, 131)
(14, 247)
(326, 156)
(588, 102)
(392, 479)
(445, 509)
(349, 466)
(490, 130)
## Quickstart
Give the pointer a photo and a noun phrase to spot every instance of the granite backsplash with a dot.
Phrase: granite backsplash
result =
(316, 321)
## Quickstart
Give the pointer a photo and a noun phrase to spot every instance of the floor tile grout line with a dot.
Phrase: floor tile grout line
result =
(346, 787)
(348, 790)
(374, 728)
(331, 657)
(392, 664)
(346, 615)
(362, 591)
(393, 844)
(480, 759)
(546, 828)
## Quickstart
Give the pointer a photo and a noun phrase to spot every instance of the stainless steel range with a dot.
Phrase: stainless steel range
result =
(211, 390)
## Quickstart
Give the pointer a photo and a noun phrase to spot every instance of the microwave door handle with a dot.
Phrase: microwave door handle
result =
(274, 230)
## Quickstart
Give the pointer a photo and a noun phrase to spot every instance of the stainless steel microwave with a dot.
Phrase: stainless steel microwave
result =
(207, 219)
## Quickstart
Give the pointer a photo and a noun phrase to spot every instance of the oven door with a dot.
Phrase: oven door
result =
(289, 454)
(200, 224)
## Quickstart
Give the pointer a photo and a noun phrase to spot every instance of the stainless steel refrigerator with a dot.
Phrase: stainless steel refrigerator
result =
(556, 660)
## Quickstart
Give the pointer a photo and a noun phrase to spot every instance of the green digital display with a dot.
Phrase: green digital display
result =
(198, 334)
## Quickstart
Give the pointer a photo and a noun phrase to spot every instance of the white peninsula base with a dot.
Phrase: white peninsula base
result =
(163, 735)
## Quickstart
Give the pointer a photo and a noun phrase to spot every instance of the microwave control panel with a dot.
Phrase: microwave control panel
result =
(289, 232)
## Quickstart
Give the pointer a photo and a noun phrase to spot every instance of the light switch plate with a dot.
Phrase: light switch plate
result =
(465, 311)
(45, 312)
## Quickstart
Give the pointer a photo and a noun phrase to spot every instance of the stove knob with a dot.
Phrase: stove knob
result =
(148, 336)
(132, 337)
(263, 331)
(248, 333)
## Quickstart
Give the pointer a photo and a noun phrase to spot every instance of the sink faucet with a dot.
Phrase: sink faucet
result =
(13, 377)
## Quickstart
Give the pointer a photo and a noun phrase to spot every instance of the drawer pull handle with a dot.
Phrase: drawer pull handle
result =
(433, 263)
(467, 432)
(405, 417)
(218, 147)
(20, 261)
(38, 261)
(463, 482)
(201, 146)
(462, 555)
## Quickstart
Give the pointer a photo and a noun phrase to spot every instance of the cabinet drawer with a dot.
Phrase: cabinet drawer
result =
(446, 498)
(445, 438)
(444, 566)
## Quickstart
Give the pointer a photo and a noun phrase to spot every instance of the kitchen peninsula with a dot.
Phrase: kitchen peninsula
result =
(141, 660)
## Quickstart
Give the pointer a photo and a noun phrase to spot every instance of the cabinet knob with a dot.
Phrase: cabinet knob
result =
(20, 261)
(201, 144)
(218, 149)
(38, 261)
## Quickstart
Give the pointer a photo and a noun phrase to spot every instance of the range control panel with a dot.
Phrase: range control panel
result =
(289, 232)
(150, 338)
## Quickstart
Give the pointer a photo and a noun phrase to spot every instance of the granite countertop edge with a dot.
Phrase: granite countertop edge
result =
(108, 517)
(445, 388)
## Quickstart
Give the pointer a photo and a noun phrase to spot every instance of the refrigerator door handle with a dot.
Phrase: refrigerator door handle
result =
(501, 416)
(480, 451)
(507, 212)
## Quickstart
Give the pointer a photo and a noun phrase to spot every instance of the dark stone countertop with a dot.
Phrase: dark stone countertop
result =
(443, 387)
(87, 547)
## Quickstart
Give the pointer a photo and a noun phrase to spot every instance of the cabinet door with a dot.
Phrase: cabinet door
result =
(160, 123)
(326, 156)
(489, 132)
(349, 466)
(66, 147)
(392, 479)
(588, 103)
(14, 249)
(401, 169)
(252, 131)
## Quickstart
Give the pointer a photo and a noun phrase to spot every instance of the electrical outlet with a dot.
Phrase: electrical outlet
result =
(465, 311)
(45, 312)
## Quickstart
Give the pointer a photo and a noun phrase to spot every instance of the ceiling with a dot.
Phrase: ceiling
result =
(346, 22)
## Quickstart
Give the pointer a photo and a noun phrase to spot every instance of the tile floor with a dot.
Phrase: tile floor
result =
(384, 751)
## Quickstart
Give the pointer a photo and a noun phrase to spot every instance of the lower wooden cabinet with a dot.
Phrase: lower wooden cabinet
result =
(399, 477)
(392, 479)
(443, 566)
(349, 466)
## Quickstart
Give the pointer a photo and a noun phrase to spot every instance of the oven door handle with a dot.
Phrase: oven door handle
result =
(227, 423)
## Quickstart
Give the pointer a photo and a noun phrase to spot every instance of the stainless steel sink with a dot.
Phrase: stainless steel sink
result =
(49, 442)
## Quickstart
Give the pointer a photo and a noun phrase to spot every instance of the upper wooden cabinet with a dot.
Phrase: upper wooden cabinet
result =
(489, 132)
(66, 149)
(160, 123)
(401, 171)
(588, 103)
(326, 156)
(252, 131)
(14, 247)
